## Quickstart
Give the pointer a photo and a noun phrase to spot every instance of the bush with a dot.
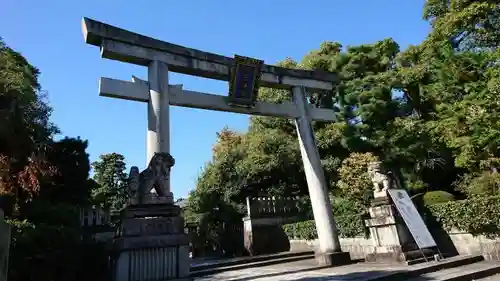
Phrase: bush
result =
(484, 184)
(54, 253)
(476, 215)
(349, 216)
(437, 197)
(301, 230)
(354, 182)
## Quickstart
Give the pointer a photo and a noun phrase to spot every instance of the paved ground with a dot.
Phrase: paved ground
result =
(304, 271)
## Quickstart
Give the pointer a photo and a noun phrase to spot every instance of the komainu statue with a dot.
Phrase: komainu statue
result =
(155, 176)
(380, 178)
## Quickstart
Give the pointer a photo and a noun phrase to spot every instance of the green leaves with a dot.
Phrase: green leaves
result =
(25, 129)
(354, 182)
(109, 173)
(349, 217)
(468, 24)
(476, 215)
(248, 164)
(468, 116)
(431, 111)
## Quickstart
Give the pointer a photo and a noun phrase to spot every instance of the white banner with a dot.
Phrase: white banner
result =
(412, 218)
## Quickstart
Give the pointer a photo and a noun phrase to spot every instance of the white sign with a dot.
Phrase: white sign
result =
(412, 218)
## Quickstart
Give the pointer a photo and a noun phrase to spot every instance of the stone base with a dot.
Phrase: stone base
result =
(151, 244)
(264, 236)
(163, 262)
(152, 199)
(392, 240)
(155, 210)
(396, 255)
(333, 259)
(380, 201)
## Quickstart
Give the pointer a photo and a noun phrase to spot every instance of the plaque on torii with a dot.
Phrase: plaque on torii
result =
(244, 83)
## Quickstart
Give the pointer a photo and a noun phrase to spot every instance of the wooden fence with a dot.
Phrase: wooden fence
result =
(94, 216)
(272, 206)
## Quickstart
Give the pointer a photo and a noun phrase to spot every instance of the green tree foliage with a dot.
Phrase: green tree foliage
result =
(486, 184)
(429, 112)
(248, 165)
(25, 129)
(468, 116)
(62, 194)
(109, 174)
(43, 182)
(354, 182)
(70, 183)
(467, 24)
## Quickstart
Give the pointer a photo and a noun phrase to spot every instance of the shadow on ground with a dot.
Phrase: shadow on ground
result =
(328, 275)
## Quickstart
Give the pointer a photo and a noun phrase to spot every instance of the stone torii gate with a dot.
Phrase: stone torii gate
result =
(161, 57)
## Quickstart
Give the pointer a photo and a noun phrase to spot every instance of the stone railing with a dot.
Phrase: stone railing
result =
(274, 206)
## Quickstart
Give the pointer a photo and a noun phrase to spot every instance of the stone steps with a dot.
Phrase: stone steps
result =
(464, 268)
(248, 262)
(464, 273)
(433, 268)
(495, 277)
(459, 268)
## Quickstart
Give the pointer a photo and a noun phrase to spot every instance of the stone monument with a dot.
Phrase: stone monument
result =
(155, 177)
(391, 239)
(380, 179)
(151, 243)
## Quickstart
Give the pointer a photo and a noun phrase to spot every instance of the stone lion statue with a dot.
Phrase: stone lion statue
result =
(380, 178)
(155, 176)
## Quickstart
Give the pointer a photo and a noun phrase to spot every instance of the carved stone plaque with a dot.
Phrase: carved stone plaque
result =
(153, 226)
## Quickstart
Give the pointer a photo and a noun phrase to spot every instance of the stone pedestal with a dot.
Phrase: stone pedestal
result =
(333, 259)
(391, 238)
(152, 199)
(264, 236)
(151, 244)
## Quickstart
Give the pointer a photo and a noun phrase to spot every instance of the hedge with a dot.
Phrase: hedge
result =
(349, 216)
(53, 252)
(437, 197)
(476, 215)
(348, 226)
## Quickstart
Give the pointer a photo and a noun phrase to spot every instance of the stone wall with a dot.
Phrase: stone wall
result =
(464, 243)
(357, 247)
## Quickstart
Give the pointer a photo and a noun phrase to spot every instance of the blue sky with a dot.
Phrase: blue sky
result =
(49, 34)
